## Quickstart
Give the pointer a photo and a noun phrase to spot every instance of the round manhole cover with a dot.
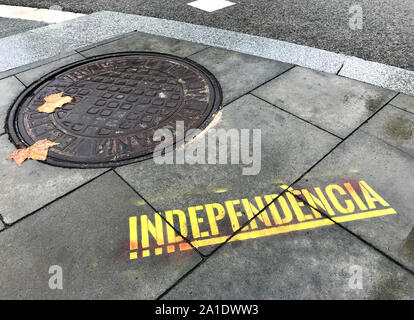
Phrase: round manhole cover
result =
(120, 100)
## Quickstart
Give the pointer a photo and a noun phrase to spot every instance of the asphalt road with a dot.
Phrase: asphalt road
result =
(387, 35)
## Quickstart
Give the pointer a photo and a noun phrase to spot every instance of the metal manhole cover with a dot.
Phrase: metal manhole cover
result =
(120, 100)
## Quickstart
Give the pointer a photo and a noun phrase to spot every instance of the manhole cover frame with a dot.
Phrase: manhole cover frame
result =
(13, 131)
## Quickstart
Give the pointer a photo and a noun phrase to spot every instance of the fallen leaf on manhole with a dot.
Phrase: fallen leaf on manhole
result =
(54, 101)
(38, 151)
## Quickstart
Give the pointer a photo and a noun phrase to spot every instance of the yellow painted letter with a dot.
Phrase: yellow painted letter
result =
(148, 227)
(350, 207)
(371, 196)
(212, 218)
(233, 214)
(171, 234)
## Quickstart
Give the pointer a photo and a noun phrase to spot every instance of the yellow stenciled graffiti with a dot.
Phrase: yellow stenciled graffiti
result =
(208, 224)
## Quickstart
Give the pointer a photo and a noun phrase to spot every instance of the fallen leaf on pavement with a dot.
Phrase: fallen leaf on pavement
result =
(54, 101)
(38, 151)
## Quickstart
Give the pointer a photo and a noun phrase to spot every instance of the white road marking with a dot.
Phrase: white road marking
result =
(43, 15)
(211, 5)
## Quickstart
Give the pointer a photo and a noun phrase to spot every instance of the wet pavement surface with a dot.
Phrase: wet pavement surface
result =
(327, 214)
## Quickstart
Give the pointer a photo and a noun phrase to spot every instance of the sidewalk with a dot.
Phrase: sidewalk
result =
(318, 130)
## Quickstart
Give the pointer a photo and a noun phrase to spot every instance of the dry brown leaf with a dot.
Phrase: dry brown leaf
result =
(38, 151)
(54, 101)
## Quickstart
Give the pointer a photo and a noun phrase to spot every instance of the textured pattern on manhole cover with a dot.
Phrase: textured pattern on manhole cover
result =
(120, 101)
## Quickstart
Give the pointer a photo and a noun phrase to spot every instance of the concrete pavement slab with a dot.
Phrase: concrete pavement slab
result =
(30, 76)
(322, 263)
(365, 174)
(102, 42)
(139, 41)
(394, 126)
(404, 101)
(334, 103)
(10, 88)
(86, 234)
(289, 147)
(238, 73)
(34, 184)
